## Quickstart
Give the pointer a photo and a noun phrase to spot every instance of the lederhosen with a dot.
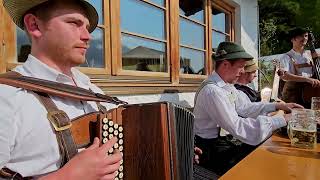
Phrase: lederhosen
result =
(222, 153)
(292, 91)
(59, 120)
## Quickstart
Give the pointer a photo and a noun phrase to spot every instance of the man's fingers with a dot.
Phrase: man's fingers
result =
(109, 176)
(95, 144)
(113, 158)
(105, 147)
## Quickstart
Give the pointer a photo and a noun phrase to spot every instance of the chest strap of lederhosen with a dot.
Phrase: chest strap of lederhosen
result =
(298, 66)
(203, 84)
(58, 119)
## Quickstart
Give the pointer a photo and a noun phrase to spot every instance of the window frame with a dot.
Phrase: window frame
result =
(112, 78)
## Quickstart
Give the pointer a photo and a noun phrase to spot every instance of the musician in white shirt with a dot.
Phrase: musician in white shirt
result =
(296, 68)
(217, 105)
(60, 33)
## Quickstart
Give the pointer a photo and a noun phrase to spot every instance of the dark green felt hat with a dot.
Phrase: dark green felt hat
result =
(230, 51)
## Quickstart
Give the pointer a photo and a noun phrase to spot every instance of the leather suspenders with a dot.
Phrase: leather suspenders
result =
(59, 120)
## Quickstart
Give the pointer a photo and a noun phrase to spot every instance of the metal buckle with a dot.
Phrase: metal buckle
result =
(51, 118)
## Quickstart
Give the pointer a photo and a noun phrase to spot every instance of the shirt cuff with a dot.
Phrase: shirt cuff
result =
(270, 107)
(278, 122)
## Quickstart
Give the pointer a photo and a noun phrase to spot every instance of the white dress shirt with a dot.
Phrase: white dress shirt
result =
(287, 64)
(219, 104)
(28, 144)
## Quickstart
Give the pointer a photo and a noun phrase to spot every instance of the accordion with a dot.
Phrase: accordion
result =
(155, 139)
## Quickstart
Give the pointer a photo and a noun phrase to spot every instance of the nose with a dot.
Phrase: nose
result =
(85, 34)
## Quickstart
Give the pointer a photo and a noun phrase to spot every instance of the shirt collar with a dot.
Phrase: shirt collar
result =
(297, 53)
(35, 68)
(217, 79)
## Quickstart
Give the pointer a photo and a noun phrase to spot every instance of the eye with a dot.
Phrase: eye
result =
(73, 22)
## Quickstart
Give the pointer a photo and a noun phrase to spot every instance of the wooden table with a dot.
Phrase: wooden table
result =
(276, 159)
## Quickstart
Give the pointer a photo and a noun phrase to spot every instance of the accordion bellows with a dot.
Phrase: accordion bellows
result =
(156, 139)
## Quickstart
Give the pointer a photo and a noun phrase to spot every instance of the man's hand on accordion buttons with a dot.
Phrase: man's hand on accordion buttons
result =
(94, 163)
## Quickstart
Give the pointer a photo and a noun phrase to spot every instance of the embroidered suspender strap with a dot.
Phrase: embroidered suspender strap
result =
(203, 84)
(297, 66)
(54, 88)
(61, 125)
(6, 173)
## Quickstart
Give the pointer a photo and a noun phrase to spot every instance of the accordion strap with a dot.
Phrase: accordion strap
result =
(61, 124)
(15, 79)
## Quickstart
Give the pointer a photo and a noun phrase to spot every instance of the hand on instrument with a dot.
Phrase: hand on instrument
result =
(93, 163)
(287, 107)
(314, 82)
(197, 153)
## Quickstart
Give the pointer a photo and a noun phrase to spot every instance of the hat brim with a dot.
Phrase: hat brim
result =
(18, 8)
(234, 56)
(252, 68)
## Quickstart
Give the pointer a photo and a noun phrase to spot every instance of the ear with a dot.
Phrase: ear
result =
(31, 23)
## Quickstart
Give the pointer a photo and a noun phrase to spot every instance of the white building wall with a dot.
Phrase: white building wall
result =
(246, 32)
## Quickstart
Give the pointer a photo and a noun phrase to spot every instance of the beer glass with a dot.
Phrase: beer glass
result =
(315, 105)
(302, 128)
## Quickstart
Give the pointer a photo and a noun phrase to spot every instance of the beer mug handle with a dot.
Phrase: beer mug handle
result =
(289, 131)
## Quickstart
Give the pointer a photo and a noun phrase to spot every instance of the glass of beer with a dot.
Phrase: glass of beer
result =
(302, 128)
(315, 105)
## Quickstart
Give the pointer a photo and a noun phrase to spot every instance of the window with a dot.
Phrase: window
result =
(144, 46)
(192, 38)
(143, 36)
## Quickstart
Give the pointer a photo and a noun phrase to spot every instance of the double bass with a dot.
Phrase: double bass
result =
(309, 91)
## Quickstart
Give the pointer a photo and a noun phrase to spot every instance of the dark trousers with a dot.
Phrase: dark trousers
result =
(222, 153)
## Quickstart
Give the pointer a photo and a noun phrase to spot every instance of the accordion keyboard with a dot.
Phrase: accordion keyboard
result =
(110, 130)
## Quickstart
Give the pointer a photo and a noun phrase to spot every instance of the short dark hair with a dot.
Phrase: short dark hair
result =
(297, 31)
(45, 9)
(218, 63)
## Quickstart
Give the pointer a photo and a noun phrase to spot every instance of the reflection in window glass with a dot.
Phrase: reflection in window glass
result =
(191, 34)
(192, 9)
(217, 38)
(159, 2)
(142, 18)
(98, 5)
(95, 54)
(143, 55)
(197, 16)
(191, 61)
(218, 20)
(23, 45)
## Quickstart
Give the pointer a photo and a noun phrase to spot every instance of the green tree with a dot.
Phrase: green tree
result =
(276, 17)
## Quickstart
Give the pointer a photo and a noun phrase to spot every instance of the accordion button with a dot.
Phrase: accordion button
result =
(117, 172)
(110, 150)
(105, 120)
(116, 126)
(121, 168)
(104, 140)
(120, 128)
(121, 175)
(110, 123)
(116, 145)
(120, 148)
(110, 136)
(116, 132)
(105, 133)
(105, 127)
(120, 135)
(116, 178)
(110, 130)
(121, 161)
(120, 141)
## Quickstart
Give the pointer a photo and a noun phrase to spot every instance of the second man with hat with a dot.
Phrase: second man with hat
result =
(217, 106)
